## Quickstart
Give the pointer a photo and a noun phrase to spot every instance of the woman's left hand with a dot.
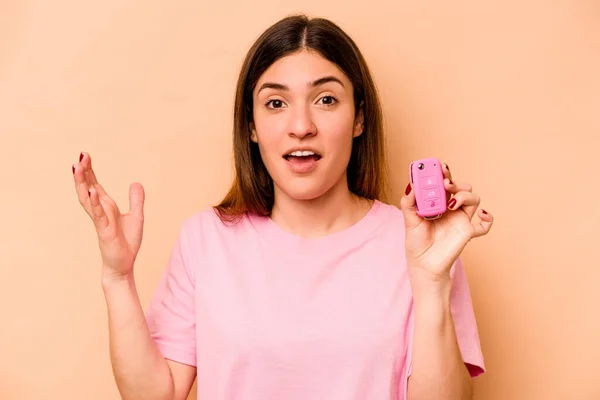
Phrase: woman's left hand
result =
(432, 246)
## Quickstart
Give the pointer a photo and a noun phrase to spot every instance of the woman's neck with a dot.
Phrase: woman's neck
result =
(334, 211)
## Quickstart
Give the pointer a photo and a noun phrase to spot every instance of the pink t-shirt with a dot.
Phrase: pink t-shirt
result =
(264, 314)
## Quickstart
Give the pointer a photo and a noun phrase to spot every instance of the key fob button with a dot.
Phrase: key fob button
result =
(431, 193)
(428, 182)
(430, 204)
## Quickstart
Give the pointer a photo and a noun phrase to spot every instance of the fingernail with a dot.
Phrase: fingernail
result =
(450, 181)
(408, 189)
(73, 166)
(89, 193)
(451, 203)
(80, 156)
(447, 167)
(483, 211)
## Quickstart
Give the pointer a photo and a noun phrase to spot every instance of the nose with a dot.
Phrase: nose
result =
(301, 124)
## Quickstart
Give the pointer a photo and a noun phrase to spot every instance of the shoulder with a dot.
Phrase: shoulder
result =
(206, 223)
(390, 215)
(390, 210)
(205, 216)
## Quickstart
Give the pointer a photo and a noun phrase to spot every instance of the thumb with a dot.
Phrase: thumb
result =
(408, 205)
(136, 200)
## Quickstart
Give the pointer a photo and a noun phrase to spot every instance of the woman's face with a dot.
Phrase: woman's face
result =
(304, 124)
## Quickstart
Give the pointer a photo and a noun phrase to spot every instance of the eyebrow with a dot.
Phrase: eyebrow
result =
(318, 82)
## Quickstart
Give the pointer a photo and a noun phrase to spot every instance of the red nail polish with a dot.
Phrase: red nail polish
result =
(408, 189)
(73, 169)
(451, 203)
(447, 167)
(89, 193)
(80, 156)
(483, 211)
(450, 181)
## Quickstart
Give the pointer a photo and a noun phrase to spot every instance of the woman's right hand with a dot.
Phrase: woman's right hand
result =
(119, 235)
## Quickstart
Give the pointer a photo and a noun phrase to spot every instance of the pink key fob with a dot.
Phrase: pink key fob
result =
(427, 179)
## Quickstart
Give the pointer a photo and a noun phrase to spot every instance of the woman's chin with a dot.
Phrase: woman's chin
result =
(303, 191)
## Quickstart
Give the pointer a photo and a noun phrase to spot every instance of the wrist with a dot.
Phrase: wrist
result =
(111, 280)
(431, 301)
(430, 287)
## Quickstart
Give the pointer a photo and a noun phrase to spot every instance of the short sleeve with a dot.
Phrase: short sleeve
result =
(465, 323)
(171, 312)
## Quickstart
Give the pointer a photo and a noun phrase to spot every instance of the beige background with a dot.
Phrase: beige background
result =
(508, 93)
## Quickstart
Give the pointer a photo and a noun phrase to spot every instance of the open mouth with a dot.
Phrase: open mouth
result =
(302, 156)
(302, 161)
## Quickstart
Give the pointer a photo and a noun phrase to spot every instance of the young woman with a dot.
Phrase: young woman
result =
(302, 283)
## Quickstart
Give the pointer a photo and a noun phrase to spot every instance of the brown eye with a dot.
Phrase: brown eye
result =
(275, 104)
(328, 100)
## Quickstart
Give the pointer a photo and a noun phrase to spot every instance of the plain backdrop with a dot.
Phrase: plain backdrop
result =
(507, 93)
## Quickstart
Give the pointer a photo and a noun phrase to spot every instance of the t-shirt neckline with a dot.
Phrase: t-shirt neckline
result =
(283, 240)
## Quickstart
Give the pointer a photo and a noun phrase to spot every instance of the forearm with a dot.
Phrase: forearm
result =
(438, 370)
(140, 371)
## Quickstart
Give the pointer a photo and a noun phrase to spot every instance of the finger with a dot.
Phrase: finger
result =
(99, 216)
(447, 178)
(484, 226)
(136, 200)
(446, 171)
(86, 163)
(94, 182)
(81, 187)
(455, 187)
(408, 205)
(467, 200)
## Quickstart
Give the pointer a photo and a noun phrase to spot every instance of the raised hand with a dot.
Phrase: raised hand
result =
(119, 235)
(432, 246)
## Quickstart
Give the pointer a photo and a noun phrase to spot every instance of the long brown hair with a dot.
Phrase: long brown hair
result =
(252, 188)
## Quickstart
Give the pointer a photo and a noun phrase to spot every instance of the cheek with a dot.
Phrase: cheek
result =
(338, 134)
(269, 128)
(341, 150)
(269, 142)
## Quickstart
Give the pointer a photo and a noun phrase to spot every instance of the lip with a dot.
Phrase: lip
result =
(302, 167)
(302, 148)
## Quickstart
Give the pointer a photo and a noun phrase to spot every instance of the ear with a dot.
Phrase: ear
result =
(253, 135)
(359, 121)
